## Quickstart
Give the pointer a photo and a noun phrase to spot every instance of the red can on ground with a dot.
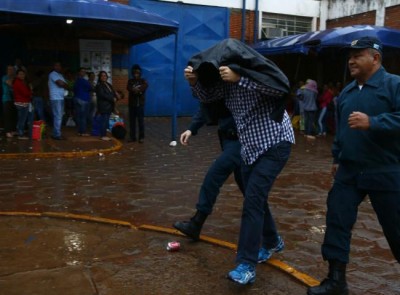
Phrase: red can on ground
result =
(173, 246)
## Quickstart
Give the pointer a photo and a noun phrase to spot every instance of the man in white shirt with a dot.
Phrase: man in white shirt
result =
(57, 86)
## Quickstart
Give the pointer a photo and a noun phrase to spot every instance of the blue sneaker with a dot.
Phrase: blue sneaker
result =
(265, 254)
(243, 274)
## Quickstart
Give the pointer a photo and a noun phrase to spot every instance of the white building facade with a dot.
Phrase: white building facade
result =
(277, 18)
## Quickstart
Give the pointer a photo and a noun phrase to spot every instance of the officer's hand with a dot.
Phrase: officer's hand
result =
(228, 75)
(185, 137)
(358, 120)
(190, 75)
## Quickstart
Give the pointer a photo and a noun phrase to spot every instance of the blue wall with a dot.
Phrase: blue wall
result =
(200, 27)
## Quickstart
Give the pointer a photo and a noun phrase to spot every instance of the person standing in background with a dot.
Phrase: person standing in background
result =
(9, 110)
(69, 117)
(39, 88)
(308, 97)
(82, 93)
(57, 87)
(324, 101)
(106, 98)
(93, 99)
(136, 87)
(23, 103)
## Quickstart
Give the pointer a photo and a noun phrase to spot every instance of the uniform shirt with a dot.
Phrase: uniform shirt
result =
(220, 116)
(251, 104)
(56, 92)
(370, 158)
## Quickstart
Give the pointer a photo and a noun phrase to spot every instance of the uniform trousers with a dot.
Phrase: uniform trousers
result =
(343, 201)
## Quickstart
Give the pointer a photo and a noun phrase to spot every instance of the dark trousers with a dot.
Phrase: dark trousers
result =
(226, 163)
(257, 221)
(309, 122)
(9, 116)
(104, 122)
(82, 114)
(343, 201)
(136, 114)
(25, 118)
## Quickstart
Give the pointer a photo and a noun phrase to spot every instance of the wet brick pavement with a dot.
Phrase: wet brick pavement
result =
(155, 184)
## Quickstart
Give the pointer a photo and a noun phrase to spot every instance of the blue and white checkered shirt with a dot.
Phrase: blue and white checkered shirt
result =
(251, 104)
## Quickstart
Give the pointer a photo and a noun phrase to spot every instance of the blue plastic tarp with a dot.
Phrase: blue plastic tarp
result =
(336, 37)
(122, 21)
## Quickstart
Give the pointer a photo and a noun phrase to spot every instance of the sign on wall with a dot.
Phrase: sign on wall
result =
(95, 55)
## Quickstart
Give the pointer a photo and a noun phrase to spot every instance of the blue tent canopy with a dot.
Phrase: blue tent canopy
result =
(118, 21)
(91, 19)
(319, 40)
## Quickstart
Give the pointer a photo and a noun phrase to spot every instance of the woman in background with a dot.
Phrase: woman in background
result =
(309, 98)
(324, 101)
(106, 98)
(23, 103)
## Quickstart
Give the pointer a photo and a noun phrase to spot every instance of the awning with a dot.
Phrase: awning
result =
(95, 16)
(330, 38)
(283, 45)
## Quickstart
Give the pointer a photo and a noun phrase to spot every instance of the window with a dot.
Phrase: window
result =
(279, 25)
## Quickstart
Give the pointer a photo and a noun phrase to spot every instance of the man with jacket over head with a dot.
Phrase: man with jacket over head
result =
(255, 91)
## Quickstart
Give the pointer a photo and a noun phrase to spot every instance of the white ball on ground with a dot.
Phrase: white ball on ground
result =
(172, 143)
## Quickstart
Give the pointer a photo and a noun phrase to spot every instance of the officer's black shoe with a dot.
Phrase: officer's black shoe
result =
(335, 284)
(193, 227)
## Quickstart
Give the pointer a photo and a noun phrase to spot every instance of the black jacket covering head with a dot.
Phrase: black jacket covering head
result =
(243, 60)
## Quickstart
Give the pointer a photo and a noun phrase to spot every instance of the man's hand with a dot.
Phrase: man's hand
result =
(190, 75)
(228, 75)
(185, 137)
(358, 120)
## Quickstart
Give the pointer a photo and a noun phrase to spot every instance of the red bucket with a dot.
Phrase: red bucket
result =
(37, 130)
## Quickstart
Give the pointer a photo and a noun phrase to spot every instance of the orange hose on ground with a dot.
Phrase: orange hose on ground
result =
(77, 154)
(304, 278)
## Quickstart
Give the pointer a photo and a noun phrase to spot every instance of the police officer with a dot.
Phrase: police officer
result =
(228, 162)
(366, 154)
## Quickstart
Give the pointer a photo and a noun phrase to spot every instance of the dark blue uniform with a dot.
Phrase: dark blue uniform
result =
(369, 164)
(229, 159)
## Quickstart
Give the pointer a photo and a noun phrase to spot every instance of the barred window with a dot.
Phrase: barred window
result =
(279, 25)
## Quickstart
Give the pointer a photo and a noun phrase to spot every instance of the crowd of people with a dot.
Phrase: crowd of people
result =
(63, 98)
(314, 108)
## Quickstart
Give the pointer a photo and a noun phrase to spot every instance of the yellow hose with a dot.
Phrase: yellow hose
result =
(303, 278)
(73, 154)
